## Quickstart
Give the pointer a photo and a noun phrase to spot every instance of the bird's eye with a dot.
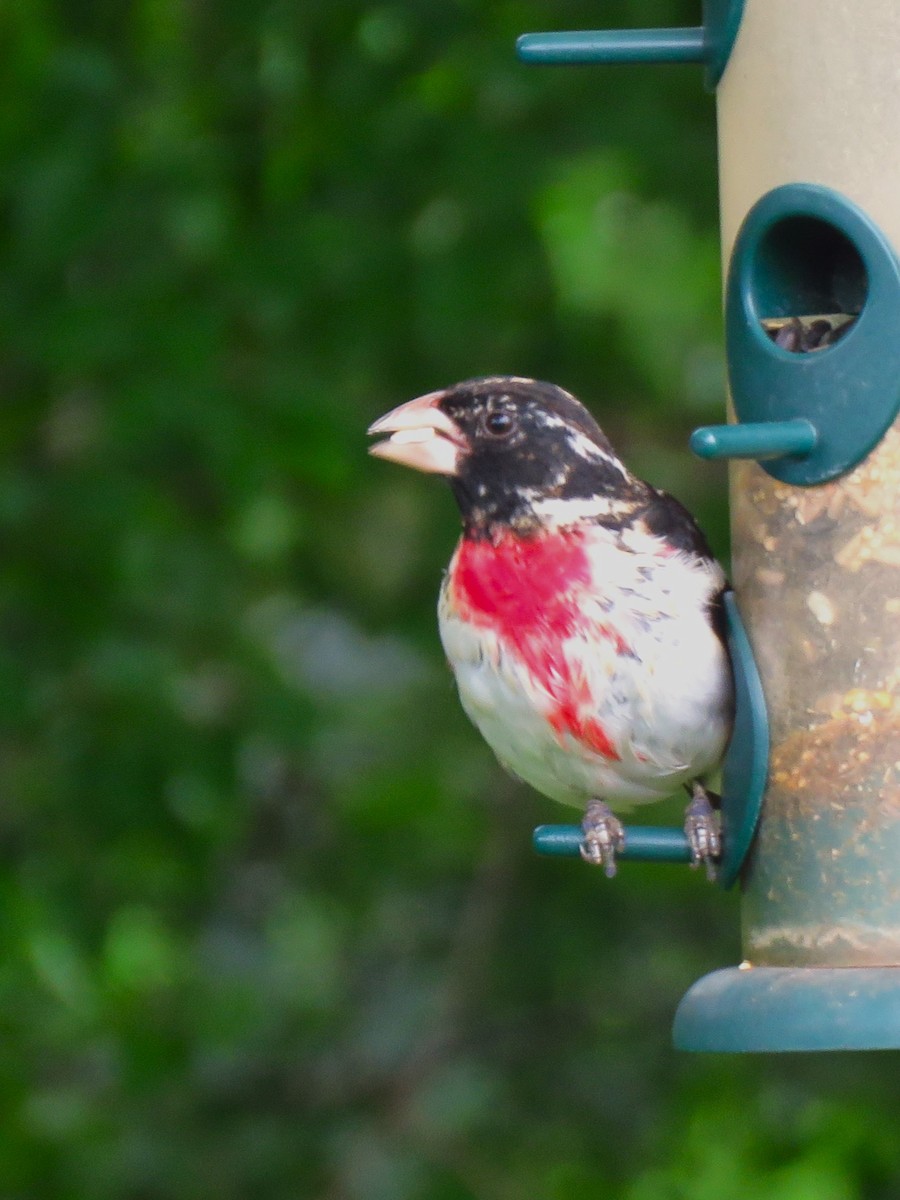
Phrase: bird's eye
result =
(499, 423)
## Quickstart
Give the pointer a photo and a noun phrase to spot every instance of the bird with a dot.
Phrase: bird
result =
(582, 610)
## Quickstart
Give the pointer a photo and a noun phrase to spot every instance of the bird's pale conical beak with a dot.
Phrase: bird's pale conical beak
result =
(421, 436)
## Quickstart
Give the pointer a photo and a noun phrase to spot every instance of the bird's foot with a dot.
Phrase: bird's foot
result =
(701, 825)
(604, 837)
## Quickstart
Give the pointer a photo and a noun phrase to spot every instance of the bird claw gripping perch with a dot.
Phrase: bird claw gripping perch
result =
(701, 827)
(604, 837)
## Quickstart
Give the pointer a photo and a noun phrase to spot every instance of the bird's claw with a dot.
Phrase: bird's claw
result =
(701, 826)
(604, 837)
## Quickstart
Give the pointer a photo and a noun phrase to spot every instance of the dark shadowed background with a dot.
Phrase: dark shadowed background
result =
(271, 925)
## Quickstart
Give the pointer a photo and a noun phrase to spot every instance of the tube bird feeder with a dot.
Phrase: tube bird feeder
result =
(809, 162)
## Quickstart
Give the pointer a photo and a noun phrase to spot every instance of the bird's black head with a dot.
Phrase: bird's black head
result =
(516, 451)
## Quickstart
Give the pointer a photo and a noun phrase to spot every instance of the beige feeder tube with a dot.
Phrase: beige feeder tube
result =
(811, 95)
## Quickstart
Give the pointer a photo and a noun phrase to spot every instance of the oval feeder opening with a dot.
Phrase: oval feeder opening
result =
(812, 303)
(809, 283)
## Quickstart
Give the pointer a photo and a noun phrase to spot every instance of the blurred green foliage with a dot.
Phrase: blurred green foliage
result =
(271, 924)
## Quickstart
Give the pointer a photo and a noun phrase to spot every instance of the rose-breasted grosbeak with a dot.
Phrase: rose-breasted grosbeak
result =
(582, 609)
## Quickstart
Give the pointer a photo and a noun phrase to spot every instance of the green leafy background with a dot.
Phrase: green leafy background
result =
(271, 925)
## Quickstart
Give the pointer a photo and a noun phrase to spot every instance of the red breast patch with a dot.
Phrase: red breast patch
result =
(525, 589)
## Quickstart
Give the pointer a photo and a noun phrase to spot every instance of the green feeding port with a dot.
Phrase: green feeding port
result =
(812, 305)
(709, 43)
